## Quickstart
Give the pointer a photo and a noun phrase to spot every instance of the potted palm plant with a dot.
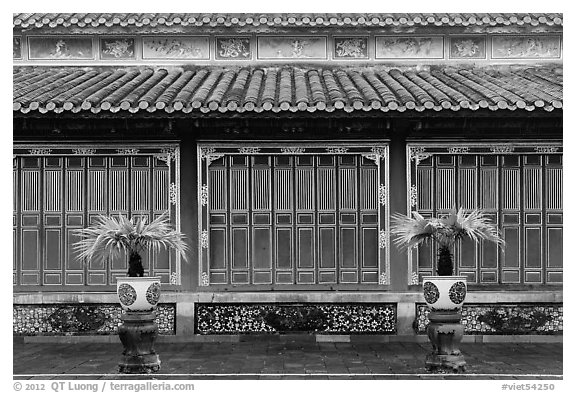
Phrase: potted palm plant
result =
(445, 293)
(117, 237)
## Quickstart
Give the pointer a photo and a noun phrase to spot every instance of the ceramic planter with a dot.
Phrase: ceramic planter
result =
(138, 293)
(444, 293)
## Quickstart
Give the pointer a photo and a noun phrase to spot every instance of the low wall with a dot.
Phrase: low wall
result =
(184, 315)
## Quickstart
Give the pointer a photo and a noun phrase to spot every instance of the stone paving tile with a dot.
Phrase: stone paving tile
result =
(288, 358)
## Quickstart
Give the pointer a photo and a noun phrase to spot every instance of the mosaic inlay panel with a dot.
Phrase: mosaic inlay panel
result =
(88, 319)
(273, 318)
(233, 48)
(297, 47)
(350, 47)
(526, 47)
(118, 48)
(410, 47)
(172, 47)
(503, 319)
(60, 48)
(17, 47)
(467, 47)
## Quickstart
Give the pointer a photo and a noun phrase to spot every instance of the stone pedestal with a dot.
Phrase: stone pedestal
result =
(445, 333)
(138, 334)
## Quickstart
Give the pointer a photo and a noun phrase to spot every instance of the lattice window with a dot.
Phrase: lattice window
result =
(299, 215)
(60, 189)
(521, 189)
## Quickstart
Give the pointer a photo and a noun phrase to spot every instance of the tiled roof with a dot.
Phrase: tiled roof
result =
(284, 19)
(285, 88)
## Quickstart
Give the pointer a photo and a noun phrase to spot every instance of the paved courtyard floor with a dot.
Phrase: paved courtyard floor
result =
(292, 359)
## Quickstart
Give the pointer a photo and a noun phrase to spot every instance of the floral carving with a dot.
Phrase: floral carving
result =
(204, 239)
(126, 294)
(204, 280)
(414, 279)
(174, 278)
(457, 292)
(468, 47)
(249, 150)
(501, 149)
(233, 48)
(382, 239)
(84, 151)
(351, 47)
(546, 149)
(153, 293)
(409, 47)
(204, 195)
(292, 150)
(418, 154)
(127, 151)
(190, 47)
(383, 279)
(118, 49)
(526, 47)
(17, 48)
(173, 193)
(382, 194)
(431, 292)
(413, 196)
(458, 150)
(40, 152)
(337, 150)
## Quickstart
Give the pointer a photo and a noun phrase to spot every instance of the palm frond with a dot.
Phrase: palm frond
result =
(111, 236)
(411, 231)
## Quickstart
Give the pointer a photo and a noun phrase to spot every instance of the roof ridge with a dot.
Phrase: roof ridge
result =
(38, 20)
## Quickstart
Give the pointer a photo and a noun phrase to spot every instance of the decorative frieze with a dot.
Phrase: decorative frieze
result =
(503, 319)
(409, 47)
(295, 48)
(270, 318)
(176, 47)
(74, 319)
(233, 48)
(350, 47)
(468, 47)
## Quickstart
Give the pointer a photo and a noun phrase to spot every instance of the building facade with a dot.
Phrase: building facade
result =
(281, 144)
